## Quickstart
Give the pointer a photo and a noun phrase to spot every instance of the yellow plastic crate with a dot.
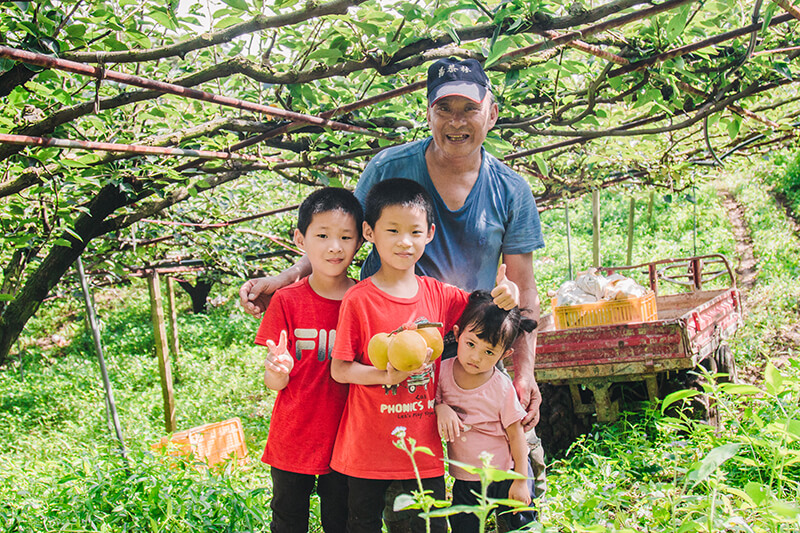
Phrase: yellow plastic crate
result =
(210, 443)
(639, 309)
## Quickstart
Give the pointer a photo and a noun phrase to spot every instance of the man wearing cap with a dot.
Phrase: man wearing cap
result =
(482, 209)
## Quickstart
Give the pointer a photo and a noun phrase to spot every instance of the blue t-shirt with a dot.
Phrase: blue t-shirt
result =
(498, 217)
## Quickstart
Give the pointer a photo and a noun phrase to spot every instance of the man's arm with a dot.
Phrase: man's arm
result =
(519, 269)
(255, 294)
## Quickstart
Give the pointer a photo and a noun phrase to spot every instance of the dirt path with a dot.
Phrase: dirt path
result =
(788, 339)
(746, 268)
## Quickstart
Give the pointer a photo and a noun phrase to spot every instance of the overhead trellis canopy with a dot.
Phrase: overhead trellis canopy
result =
(590, 94)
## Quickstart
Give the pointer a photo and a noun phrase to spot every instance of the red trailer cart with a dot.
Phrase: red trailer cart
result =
(585, 372)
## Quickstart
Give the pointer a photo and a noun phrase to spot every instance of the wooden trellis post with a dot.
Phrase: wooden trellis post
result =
(569, 238)
(596, 227)
(631, 213)
(91, 318)
(173, 320)
(162, 352)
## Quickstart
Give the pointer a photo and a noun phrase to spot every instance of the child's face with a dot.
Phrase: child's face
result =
(475, 355)
(330, 242)
(400, 235)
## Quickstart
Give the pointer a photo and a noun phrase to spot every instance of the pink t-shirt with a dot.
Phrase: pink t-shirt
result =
(307, 412)
(485, 411)
(364, 445)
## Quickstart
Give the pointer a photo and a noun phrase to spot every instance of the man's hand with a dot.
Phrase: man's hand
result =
(520, 270)
(505, 292)
(530, 398)
(255, 294)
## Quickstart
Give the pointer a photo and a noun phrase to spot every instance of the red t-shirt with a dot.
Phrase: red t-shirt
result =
(364, 445)
(307, 412)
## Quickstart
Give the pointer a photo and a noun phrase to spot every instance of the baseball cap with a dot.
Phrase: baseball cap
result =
(450, 76)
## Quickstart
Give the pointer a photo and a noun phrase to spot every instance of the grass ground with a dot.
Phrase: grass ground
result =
(60, 469)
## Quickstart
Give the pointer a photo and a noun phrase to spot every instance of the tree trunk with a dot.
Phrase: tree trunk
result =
(13, 78)
(59, 259)
(198, 293)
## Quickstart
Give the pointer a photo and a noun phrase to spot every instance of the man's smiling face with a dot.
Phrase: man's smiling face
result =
(460, 125)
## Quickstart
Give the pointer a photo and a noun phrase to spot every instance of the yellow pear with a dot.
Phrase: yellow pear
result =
(407, 351)
(377, 350)
(434, 341)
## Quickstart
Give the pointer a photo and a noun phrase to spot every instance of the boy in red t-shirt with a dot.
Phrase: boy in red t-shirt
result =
(299, 328)
(399, 222)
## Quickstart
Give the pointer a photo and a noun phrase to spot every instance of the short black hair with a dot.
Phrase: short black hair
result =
(329, 199)
(397, 191)
(491, 323)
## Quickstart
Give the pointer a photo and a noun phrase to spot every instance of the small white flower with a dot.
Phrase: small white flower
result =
(486, 458)
(399, 432)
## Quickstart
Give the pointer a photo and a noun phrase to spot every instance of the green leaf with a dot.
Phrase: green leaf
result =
(782, 68)
(541, 164)
(405, 501)
(742, 495)
(649, 96)
(734, 125)
(768, 14)
(677, 396)
(63, 242)
(713, 461)
(501, 475)
(516, 505)
(453, 35)
(139, 38)
(773, 379)
(452, 510)
(241, 5)
(443, 13)
(330, 54)
(757, 492)
(787, 509)
(163, 18)
(6, 297)
(677, 23)
(425, 450)
(225, 22)
(499, 48)
(464, 466)
(788, 427)
(72, 163)
(737, 389)
(112, 43)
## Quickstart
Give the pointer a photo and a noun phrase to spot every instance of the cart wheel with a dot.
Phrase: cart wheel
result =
(700, 407)
(559, 425)
(726, 364)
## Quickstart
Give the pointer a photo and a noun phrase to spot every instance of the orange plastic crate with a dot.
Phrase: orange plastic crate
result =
(210, 443)
(639, 309)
